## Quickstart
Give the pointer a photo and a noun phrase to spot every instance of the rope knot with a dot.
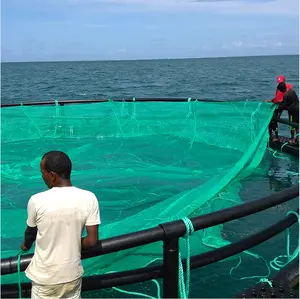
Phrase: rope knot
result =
(189, 226)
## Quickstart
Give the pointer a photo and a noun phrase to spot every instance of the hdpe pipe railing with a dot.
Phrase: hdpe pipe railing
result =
(86, 101)
(287, 122)
(169, 233)
(170, 262)
(103, 100)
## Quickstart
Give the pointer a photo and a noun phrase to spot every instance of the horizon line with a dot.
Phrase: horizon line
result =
(149, 59)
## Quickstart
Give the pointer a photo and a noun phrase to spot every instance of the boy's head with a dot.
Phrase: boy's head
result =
(281, 87)
(56, 167)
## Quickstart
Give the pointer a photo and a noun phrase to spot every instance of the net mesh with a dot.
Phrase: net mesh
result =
(147, 163)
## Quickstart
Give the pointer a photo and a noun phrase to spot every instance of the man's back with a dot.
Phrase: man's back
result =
(60, 214)
(291, 99)
(279, 95)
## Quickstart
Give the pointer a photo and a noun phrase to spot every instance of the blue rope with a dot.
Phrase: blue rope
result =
(19, 271)
(184, 290)
(140, 294)
(275, 263)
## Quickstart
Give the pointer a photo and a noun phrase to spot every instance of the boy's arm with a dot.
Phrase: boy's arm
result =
(91, 238)
(92, 226)
(31, 229)
(29, 238)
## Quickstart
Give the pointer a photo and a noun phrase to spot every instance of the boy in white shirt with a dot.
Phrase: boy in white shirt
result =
(56, 219)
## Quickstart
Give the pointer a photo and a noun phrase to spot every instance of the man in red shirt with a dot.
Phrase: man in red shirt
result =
(291, 104)
(273, 126)
(279, 95)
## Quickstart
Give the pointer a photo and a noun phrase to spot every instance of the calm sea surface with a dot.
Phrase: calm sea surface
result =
(242, 78)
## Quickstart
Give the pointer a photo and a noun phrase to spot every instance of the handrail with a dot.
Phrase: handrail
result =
(170, 230)
(287, 122)
(103, 100)
(138, 275)
(127, 99)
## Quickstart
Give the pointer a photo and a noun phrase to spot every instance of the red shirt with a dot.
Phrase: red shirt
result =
(279, 95)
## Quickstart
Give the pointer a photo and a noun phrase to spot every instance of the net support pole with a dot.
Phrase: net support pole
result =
(170, 268)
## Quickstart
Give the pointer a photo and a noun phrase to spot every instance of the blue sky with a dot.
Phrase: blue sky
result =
(47, 30)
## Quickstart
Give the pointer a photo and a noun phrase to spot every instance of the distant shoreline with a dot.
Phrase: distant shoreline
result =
(150, 59)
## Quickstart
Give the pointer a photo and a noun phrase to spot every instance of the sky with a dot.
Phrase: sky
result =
(55, 30)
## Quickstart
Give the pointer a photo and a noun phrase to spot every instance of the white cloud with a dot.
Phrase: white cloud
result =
(276, 7)
(264, 43)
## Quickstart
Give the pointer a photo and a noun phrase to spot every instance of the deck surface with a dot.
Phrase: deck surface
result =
(283, 139)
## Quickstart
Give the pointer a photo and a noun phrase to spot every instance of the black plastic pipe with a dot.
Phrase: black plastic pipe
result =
(289, 273)
(134, 276)
(175, 229)
(245, 244)
(245, 209)
(83, 101)
(289, 149)
(287, 122)
(284, 285)
(170, 268)
(126, 241)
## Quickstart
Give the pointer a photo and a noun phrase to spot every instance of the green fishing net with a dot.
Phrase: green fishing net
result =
(147, 162)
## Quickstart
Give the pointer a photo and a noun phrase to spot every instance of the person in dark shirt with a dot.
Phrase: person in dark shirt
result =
(290, 103)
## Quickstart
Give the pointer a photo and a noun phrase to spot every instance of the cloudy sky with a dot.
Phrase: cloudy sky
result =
(46, 30)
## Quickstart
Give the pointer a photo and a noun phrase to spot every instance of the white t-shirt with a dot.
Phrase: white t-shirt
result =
(60, 214)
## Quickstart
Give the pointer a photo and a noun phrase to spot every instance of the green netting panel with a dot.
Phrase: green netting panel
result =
(147, 163)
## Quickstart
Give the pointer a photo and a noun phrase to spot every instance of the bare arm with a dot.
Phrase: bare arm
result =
(92, 226)
(31, 229)
(91, 238)
(29, 237)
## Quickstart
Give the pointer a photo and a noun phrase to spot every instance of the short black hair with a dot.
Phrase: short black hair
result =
(281, 87)
(59, 163)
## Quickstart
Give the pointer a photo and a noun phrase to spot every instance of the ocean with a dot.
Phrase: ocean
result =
(238, 78)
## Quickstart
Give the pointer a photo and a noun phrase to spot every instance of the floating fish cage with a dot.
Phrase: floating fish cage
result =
(165, 171)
